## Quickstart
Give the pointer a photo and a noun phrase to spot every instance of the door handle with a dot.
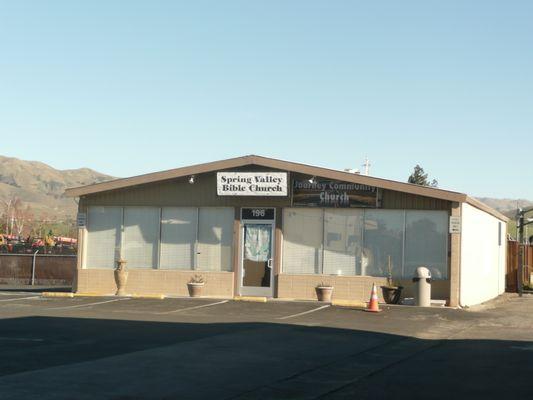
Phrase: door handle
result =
(269, 263)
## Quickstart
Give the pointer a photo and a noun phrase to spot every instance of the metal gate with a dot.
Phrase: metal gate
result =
(511, 280)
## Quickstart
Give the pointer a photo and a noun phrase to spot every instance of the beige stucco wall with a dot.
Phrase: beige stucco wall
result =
(440, 289)
(102, 281)
(220, 284)
(349, 287)
(345, 287)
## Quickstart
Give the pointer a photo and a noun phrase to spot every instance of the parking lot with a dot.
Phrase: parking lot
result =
(123, 348)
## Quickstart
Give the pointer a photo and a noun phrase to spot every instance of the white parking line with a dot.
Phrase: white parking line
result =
(88, 304)
(191, 308)
(21, 298)
(305, 312)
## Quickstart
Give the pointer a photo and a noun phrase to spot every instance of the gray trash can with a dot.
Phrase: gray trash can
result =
(422, 279)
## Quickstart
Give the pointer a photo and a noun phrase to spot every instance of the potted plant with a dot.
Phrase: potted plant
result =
(121, 277)
(195, 285)
(391, 292)
(324, 292)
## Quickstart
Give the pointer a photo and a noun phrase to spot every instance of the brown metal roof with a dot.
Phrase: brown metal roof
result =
(281, 165)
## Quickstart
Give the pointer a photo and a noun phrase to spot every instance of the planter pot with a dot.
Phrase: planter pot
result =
(195, 289)
(121, 277)
(392, 294)
(323, 293)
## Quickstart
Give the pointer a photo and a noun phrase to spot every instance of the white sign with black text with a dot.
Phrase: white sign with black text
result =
(81, 219)
(252, 183)
(455, 224)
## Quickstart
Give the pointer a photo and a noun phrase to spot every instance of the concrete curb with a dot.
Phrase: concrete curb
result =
(250, 299)
(92, 294)
(156, 296)
(57, 294)
(349, 303)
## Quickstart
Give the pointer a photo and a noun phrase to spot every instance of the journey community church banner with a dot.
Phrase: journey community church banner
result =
(328, 193)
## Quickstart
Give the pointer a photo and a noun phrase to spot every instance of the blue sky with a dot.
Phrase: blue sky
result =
(138, 86)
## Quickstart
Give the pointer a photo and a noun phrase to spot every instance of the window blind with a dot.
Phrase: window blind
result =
(103, 236)
(215, 239)
(383, 237)
(426, 244)
(178, 238)
(141, 235)
(302, 240)
(342, 241)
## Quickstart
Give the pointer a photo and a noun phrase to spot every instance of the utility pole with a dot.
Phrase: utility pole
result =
(521, 221)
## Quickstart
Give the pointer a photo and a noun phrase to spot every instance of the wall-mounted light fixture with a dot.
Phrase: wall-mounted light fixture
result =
(311, 180)
(191, 179)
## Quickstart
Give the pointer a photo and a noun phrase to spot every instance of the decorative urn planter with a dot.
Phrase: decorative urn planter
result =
(392, 294)
(196, 285)
(195, 289)
(323, 293)
(121, 277)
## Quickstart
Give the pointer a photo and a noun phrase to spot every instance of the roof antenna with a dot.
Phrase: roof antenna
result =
(366, 165)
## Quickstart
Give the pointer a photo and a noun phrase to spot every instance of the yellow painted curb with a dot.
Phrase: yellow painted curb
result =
(133, 296)
(349, 303)
(57, 294)
(92, 294)
(158, 296)
(251, 298)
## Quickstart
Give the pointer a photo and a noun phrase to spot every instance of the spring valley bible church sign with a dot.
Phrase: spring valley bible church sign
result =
(327, 193)
(252, 183)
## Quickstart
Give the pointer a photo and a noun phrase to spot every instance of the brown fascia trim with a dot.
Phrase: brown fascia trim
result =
(362, 179)
(270, 163)
(155, 177)
(281, 165)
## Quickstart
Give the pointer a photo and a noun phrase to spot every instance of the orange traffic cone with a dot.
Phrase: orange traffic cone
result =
(373, 305)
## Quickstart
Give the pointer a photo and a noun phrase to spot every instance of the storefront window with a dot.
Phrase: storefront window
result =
(342, 241)
(426, 234)
(362, 242)
(141, 235)
(103, 236)
(215, 239)
(178, 238)
(166, 238)
(383, 241)
(302, 240)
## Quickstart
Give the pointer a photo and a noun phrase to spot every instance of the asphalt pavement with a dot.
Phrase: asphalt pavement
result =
(122, 348)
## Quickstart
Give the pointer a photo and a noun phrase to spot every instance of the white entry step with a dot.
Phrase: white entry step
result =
(410, 301)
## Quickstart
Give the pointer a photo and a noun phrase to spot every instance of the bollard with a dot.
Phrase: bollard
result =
(422, 279)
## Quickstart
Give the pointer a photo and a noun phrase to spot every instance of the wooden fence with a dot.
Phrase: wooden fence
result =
(512, 265)
(16, 269)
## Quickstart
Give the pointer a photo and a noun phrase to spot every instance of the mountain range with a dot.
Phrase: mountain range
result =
(42, 187)
(506, 206)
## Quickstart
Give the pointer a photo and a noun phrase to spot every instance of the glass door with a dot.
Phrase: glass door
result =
(256, 258)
